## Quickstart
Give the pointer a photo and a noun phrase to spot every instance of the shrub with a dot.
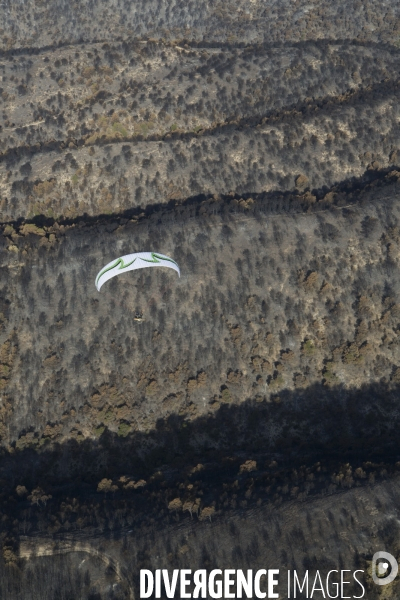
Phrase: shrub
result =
(175, 505)
(226, 395)
(301, 182)
(124, 429)
(248, 466)
(329, 377)
(98, 431)
(308, 348)
(276, 382)
(105, 485)
(31, 228)
(311, 280)
(44, 188)
(21, 490)
(207, 513)
(119, 128)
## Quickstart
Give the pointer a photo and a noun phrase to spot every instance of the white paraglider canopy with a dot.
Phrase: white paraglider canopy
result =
(131, 262)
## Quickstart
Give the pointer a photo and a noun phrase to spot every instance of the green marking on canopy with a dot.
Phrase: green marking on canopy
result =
(155, 258)
(120, 262)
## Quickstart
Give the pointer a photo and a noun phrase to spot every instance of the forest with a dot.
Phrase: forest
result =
(50, 23)
(106, 430)
(111, 139)
(246, 413)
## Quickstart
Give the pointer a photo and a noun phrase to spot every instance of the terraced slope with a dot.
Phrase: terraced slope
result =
(258, 145)
(54, 22)
(99, 135)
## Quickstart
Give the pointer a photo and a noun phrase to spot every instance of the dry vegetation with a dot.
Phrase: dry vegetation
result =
(246, 120)
(259, 309)
(82, 562)
(53, 22)
(257, 144)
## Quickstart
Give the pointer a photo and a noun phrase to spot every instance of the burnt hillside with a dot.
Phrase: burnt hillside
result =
(245, 413)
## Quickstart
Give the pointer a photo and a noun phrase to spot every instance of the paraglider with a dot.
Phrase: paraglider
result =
(131, 262)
